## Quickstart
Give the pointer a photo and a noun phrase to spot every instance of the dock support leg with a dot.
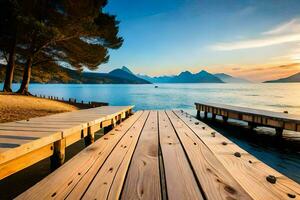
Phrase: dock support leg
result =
(205, 115)
(225, 119)
(90, 138)
(114, 122)
(252, 125)
(58, 157)
(213, 116)
(198, 114)
(279, 132)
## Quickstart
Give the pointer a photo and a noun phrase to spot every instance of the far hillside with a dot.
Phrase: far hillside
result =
(291, 79)
(58, 74)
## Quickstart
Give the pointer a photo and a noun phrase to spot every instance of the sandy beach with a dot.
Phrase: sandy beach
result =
(16, 107)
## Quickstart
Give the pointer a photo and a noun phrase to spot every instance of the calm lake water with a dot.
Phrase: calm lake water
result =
(283, 156)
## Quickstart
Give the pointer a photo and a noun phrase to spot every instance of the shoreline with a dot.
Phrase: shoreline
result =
(14, 107)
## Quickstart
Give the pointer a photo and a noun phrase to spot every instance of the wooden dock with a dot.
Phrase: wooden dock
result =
(164, 155)
(254, 117)
(24, 143)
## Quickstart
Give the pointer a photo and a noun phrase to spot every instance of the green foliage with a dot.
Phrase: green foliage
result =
(49, 33)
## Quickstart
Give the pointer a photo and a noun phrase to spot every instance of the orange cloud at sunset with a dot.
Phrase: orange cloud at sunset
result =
(264, 73)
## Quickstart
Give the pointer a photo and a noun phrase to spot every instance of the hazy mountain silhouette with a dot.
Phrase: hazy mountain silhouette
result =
(184, 77)
(291, 79)
(125, 73)
(230, 79)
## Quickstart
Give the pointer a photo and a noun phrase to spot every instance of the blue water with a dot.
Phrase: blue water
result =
(276, 97)
(283, 156)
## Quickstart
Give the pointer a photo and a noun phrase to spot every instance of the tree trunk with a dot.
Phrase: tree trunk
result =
(10, 67)
(26, 78)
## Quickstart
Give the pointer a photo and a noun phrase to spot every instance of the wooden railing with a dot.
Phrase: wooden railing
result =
(81, 104)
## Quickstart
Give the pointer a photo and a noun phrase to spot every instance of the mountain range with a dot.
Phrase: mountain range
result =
(200, 77)
(290, 79)
(58, 74)
(121, 75)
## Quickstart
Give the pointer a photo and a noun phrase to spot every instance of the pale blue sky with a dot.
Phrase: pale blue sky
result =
(233, 36)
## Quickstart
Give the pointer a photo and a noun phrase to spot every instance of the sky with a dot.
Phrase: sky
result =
(254, 39)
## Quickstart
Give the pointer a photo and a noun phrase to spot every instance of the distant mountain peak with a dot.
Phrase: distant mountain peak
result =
(125, 73)
(126, 70)
(203, 72)
(295, 78)
(185, 73)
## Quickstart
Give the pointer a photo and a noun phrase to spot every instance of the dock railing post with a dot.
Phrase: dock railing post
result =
(252, 125)
(198, 114)
(58, 157)
(90, 138)
(225, 119)
(213, 116)
(205, 115)
(279, 132)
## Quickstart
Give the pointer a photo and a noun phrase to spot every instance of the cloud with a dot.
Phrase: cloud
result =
(266, 72)
(292, 26)
(284, 33)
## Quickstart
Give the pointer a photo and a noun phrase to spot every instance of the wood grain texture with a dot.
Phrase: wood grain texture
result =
(143, 177)
(250, 172)
(180, 180)
(109, 179)
(22, 137)
(79, 171)
(24, 161)
(213, 177)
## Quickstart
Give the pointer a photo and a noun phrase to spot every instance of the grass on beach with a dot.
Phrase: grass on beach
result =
(16, 107)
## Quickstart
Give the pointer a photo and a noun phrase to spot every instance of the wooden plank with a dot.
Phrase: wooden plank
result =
(176, 164)
(24, 161)
(79, 170)
(214, 179)
(143, 177)
(250, 172)
(110, 178)
(14, 144)
(19, 138)
(66, 129)
(72, 138)
(106, 123)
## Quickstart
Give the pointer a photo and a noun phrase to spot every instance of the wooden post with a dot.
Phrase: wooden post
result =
(205, 115)
(279, 132)
(198, 114)
(114, 122)
(225, 119)
(58, 157)
(130, 112)
(213, 116)
(252, 125)
(120, 116)
(90, 138)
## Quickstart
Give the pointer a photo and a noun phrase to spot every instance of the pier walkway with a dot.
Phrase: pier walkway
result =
(254, 117)
(164, 155)
(24, 143)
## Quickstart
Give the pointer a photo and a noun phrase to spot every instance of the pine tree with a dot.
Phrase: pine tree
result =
(55, 32)
(74, 27)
